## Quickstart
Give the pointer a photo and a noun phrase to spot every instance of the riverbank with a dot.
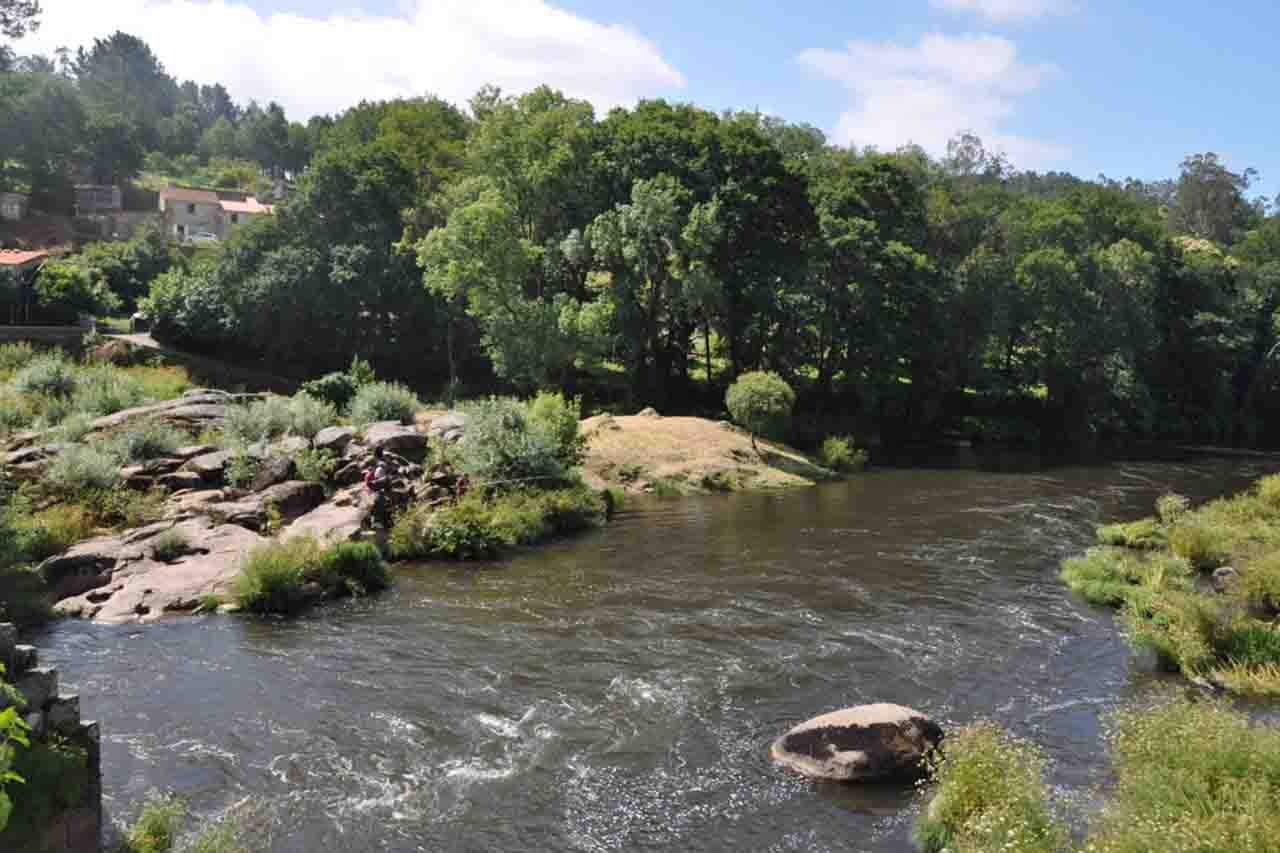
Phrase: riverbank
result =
(1198, 587)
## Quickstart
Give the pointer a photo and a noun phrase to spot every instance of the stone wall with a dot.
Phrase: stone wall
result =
(50, 711)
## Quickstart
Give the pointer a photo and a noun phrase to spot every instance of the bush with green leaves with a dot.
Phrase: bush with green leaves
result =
(500, 446)
(557, 420)
(170, 545)
(309, 415)
(14, 732)
(339, 387)
(274, 577)
(761, 403)
(15, 356)
(259, 421)
(49, 375)
(157, 826)
(55, 774)
(105, 390)
(839, 454)
(315, 465)
(79, 468)
(146, 440)
(990, 796)
(75, 427)
(384, 401)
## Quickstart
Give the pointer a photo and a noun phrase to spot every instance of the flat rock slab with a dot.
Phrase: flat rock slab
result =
(867, 743)
(210, 465)
(144, 589)
(334, 438)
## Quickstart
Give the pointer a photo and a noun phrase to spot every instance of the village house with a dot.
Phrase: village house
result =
(93, 199)
(13, 206)
(204, 215)
(18, 270)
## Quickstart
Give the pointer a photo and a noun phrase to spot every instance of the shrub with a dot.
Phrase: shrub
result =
(556, 420)
(259, 421)
(47, 375)
(357, 566)
(17, 412)
(170, 545)
(122, 507)
(761, 403)
(147, 440)
(1269, 490)
(315, 465)
(16, 356)
(55, 774)
(334, 388)
(990, 796)
(75, 427)
(1181, 628)
(1107, 576)
(309, 415)
(384, 401)
(240, 470)
(1203, 544)
(838, 454)
(499, 446)
(107, 390)
(272, 575)
(50, 531)
(156, 828)
(1260, 581)
(78, 468)
(24, 598)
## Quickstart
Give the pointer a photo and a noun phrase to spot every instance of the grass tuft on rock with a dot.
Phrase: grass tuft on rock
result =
(284, 577)
(156, 828)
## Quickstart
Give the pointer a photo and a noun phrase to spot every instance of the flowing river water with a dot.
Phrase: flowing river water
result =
(619, 691)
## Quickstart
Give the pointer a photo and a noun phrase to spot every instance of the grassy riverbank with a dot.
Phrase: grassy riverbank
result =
(1187, 777)
(1199, 587)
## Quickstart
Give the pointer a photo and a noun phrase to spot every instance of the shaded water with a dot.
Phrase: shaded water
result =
(619, 692)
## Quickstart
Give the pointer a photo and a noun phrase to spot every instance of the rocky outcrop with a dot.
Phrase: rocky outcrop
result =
(392, 436)
(448, 428)
(334, 439)
(211, 466)
(868, 743)
(338, 520)
(119, 579)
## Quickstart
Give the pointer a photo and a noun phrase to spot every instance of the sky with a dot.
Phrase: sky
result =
(1115, 87)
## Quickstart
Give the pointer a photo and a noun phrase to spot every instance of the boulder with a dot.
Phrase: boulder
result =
(448, 428)
(272, 470)
(389, 435)
(868, 743)
(289, 445)
(210, 466)
(338, 520)
(649, 412)
(290, 499)
(34, 454)
(191, 451)
(180, 480)
(349, 474)
(334, 439)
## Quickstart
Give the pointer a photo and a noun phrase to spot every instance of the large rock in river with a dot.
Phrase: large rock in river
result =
(868, 743)
(391, 436)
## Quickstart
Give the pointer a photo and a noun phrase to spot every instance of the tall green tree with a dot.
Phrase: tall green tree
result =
(121, 76)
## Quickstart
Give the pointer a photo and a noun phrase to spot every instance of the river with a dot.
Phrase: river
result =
(619, 691)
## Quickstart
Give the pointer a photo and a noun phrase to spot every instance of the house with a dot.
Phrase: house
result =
(18, 270)
(93, 199)
(13, 206)
(190, 213)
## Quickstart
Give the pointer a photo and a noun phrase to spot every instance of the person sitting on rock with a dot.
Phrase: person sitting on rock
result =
(377, 480)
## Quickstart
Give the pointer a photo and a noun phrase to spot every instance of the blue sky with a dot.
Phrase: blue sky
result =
(1125, 88)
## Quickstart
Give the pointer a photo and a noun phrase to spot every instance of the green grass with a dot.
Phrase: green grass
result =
(274, 577)
(990, 798)
(1109, 576)
(839, 454)
(156, 828)
(170, 545)
(480, 527)
(1146, 533)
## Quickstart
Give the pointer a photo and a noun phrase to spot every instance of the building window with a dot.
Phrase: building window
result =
(191, 208)
(235, 219)
(182, 230)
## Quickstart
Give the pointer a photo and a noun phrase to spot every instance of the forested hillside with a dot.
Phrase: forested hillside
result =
(650, 255)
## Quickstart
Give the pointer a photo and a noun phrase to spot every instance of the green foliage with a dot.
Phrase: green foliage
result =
(157, 826)
(478, 528)
(241, 469)
(65, 291)
(16, 356)
(315, 465)
(79, 468)
(309, 415)
(839, 454)
(990, 797)
(1203, 544)
(556, 420)
(46, 375)
(1222, 795)
(1171, 507)
(14, 733)
(259, 421)
(1109, 576)
(339, 387)
(170, 545)
(146, 440)
(1144, 534)
(384, 401)
(501, 446)
(55, 774)
(761, 403)
(276, 577)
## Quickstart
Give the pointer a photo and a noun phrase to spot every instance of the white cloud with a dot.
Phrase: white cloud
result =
(928, 92)
(322, 65)
(1006, 11)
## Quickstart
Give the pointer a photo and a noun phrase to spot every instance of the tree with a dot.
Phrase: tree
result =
(18, 17)
(120, 76)
(1209, 201)
(220, 140)
(112, 148)
(761, 403)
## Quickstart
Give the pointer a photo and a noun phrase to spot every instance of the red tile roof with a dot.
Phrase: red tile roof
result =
(17, 257)
(189, 195)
